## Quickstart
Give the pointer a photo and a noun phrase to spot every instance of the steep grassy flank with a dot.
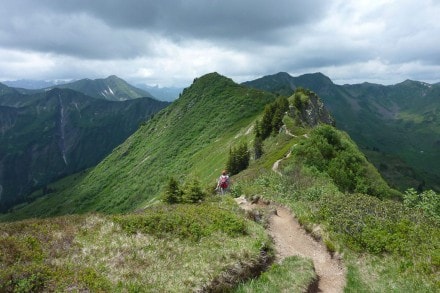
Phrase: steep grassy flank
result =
(47, 136)
(189, 138)
(121, 253)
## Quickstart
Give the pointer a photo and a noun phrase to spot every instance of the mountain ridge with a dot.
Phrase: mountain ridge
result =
(133, 239)
(111, 88)
(383, 120)
(57, 133)
(190, 137)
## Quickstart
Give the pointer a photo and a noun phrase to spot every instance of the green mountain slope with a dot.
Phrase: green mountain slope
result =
(57, 133)
(317, 171)
(4, 90)
(397, 126)
(191, 137)
(111, 88)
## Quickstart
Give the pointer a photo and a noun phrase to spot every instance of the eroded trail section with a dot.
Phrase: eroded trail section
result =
(291, 239)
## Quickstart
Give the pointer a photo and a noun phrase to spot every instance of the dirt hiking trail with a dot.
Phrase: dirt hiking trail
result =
(291, 239)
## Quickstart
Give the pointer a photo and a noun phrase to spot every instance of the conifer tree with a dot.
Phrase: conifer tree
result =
(193, 192)
(266, 122)
(258, 141)
(277, 120)
(238, 159)
(173, 193)
(231, 164)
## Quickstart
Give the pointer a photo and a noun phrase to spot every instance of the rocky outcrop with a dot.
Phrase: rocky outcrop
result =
(310, 111)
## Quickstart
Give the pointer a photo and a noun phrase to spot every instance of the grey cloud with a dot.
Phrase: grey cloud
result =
(243, 37)
(112, 28)
(199, 18)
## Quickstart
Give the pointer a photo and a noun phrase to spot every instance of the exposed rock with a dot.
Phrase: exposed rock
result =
(312, 112)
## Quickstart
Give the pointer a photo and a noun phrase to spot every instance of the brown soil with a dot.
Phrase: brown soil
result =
(291, 239)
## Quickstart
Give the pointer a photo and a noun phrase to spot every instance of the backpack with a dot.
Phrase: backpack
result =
(224, 182)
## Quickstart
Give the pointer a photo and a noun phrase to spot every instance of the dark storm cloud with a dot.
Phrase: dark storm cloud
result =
(122, 29)
(200, 18)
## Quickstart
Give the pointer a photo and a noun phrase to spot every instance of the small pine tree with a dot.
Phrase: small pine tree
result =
(277, 120)
(266, 122)
(231, 164)
(258, 147)
(173, 193)
(244, 156)
(193, 192)
(283, 104)
(297, 101)
(238, 159)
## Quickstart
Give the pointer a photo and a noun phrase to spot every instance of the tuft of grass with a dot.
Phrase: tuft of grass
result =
(294, 274)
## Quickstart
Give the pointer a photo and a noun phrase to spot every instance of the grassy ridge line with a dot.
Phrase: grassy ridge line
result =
(189, 138)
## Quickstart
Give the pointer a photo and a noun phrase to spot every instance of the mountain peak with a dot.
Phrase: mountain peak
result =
(113, 77)
(212, 78)
(316, 77)
(111, 88)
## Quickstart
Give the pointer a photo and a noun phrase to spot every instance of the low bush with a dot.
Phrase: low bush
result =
(333, 153)
(184, 221)
(427, 201)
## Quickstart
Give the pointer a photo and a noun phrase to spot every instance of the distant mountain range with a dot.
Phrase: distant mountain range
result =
(53, 133)
(110, 88)
(162, 93)
(32, 84)
(397, 126)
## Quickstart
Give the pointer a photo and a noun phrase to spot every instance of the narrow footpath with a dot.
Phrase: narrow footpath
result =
(291, 239)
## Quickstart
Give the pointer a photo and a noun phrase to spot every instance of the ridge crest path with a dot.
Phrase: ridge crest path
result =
(291, 239)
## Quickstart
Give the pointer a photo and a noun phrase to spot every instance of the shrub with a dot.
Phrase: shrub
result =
(333, 153)
(427, 201)
(183, 221)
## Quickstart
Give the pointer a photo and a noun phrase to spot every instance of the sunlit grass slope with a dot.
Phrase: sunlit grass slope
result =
(192, 247)
(189, 138)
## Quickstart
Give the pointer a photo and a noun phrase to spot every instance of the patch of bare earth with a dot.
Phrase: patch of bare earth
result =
(291, 239)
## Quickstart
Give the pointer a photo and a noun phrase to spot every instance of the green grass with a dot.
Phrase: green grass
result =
(386, 246)
(294, 274)
(121, 254)
(326, 182)
(192, 137)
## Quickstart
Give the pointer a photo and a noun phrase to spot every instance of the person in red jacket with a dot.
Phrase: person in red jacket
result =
(223, 182)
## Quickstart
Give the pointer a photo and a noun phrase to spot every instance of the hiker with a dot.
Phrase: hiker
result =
(223, 182)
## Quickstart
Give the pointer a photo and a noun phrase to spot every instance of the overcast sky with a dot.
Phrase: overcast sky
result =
(170, 42)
